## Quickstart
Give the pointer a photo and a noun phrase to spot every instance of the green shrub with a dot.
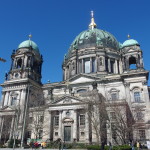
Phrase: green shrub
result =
(93, 147)
(122, 147)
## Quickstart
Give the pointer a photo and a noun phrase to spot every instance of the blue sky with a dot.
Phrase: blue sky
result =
(55, 23)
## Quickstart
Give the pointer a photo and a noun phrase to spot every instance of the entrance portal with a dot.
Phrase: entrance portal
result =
(67, 133)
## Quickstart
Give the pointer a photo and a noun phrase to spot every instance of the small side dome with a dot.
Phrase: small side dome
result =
(130, 42)
(27, 44)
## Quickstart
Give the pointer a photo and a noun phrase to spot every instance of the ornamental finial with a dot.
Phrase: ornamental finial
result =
(128, 36)
(30, 36)
(92, 25)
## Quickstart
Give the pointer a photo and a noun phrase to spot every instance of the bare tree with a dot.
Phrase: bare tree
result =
(121, 122)
(96, 110)
(6, 128)
(35, 119)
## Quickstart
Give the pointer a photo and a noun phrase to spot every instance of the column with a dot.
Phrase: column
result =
(109, 67)
(82, 66)
(12, 127)
(116, 67)
(1, 125)
(96, 70)
(6, 99)
(3, 98)
(60, 124)
(90, 64)
(75, 129)
(9, 99)
(127, 63)
(104, 64)
(50, 126)
(87, 128)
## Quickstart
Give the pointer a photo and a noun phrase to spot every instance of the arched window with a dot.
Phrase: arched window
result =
(114, 96)
(132, 62)
(137, 97)
(14, 100)
(101, 61)
(81, 91)
(19, 63)
(87, 67)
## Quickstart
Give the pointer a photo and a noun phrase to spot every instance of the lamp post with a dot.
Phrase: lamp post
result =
(25, 114)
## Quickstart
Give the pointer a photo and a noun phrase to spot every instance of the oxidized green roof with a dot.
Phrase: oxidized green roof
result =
(130, 42)
(27, 44)
(94, 37)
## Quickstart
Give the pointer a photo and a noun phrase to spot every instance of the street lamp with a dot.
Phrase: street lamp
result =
(25, 114)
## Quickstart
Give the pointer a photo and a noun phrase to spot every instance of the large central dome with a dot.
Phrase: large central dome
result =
(94, 38)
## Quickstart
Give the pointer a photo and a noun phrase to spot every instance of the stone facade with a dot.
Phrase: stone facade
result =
(50, 111)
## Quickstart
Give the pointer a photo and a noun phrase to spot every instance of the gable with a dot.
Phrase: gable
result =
(67, 100)
(7, 108)
(82, 80)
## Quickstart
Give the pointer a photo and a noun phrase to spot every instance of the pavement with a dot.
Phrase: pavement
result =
(41, 149)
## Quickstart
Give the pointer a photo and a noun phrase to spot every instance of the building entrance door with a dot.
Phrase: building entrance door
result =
(67, 133)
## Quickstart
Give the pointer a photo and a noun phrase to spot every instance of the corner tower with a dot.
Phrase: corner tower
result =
(26, 62)
(22, 83)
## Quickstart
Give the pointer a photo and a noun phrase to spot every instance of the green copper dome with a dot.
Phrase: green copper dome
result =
(130, 42)
(94, 37)
(27, 44)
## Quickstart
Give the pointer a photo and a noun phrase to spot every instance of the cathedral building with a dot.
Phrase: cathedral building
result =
(98, 73)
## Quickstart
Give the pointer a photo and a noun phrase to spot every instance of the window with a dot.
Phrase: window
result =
(81, 91)
(87, 68)
(93, 65)
(56, 133)
(114, 96)
(106, 64)
(68, 113)
(19, 63)
(137, 97)
(30, 119)
(82, 119)
(40, 134)
(112, 66)
(142, 134)
(29, 134)
(80, 66)
(132, 63)
(41, 119)
(14, 101)
(112, 115)
(82, 133)
(56, 120)
(101, 61)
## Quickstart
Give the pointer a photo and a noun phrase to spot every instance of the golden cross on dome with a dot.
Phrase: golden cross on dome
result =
(92, 25)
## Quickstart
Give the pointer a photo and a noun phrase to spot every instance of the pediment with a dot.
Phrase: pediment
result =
(82, 78)
(7, 110)
(67, 100)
